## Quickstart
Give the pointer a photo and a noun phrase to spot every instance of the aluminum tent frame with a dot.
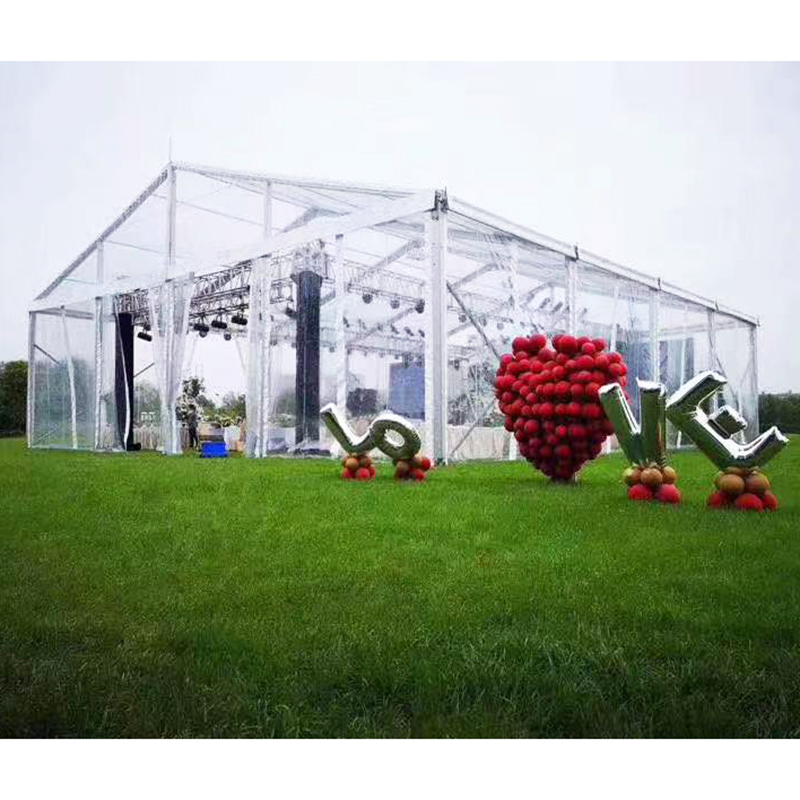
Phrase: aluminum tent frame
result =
(459, 283)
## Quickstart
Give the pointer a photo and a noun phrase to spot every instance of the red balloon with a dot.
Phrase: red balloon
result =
(520, 343)
(749, 502)
(567, 344)
(639, 492)
(718, 500)
(668, 493)
(769, 501)
(537, 342)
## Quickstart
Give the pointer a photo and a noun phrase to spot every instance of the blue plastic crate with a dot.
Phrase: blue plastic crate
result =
(213, 450)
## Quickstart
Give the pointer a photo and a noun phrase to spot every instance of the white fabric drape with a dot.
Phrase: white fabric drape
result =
(258, 350)
(169, 323)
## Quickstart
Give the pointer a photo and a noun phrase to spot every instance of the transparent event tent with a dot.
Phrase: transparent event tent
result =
(370, 297)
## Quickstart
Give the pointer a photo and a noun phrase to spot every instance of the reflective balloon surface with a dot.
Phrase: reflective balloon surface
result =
(385, 428)
(644, 443)
(713, 436)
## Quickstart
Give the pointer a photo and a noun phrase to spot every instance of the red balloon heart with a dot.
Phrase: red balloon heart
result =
(549, 396)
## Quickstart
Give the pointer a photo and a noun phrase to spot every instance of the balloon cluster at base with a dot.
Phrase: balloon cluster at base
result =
(652, 483)
(412, 469)
(740, 483)
(744, 490)
(357, 467)
(549, 396)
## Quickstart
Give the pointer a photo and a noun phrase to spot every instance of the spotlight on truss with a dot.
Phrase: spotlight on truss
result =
(366, 297)
(420, 306)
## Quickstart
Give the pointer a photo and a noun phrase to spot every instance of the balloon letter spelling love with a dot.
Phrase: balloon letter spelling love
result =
(376, 435)
(713, 434)
(740, 484)
(645, 444)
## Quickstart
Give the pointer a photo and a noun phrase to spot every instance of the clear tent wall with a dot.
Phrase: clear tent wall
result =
(370, 297)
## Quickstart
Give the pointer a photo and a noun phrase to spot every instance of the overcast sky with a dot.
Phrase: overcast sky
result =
(688, 172)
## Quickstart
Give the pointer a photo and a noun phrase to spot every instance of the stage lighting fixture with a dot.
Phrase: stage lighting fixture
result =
(462, 317)
(395, 330)
(422, 333)
(544, 302)
(456, 365)
(346, 323)
(366, 297)
(227, 336)
(420, 306)
(394, 303)
(557, 307)
(201, 328)
(145, 336)
(409, 332)
(219, 324)
(239, 319)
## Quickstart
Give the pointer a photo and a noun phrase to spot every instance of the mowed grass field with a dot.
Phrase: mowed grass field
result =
(146, 596)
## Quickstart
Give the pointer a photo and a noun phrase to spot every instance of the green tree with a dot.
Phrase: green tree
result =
(782, 410)
(13, 396)
(194, 394)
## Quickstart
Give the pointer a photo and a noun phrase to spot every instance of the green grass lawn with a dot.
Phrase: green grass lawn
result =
(147, 596)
